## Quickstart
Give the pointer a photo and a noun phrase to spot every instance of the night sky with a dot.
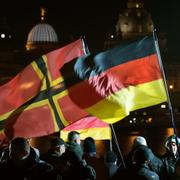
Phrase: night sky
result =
(94, 19)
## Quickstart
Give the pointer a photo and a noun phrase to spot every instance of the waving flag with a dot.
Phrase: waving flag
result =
(30, 104)
(89, 127)
(111, 84)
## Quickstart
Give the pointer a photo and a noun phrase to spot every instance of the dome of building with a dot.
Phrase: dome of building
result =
(134, 21)
(41, 33)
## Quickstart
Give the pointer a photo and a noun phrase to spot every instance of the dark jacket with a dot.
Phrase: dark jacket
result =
(169, 164)
(138, 171)
(71, 167)
(98, 164)
(111, 169)
(142, 172)
(156, 165)
(76, 148)
(51, 157)
(31, 168)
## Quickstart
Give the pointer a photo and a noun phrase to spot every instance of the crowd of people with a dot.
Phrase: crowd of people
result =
(79, 160)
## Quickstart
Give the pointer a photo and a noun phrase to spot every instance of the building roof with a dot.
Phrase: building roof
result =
(41, 33)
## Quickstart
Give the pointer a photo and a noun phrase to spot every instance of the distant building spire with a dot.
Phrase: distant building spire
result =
(43, 13)
(135, 4)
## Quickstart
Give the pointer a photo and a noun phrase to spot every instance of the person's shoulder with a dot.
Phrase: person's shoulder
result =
(146, 172)
(164, 156)
(153, 175)
(44, 166)
(157, 159)
(90, 171)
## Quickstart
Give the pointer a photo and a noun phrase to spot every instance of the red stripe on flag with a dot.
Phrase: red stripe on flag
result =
(86, 123)
(100, 86)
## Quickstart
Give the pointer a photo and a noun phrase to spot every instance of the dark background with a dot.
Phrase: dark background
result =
(94, 19)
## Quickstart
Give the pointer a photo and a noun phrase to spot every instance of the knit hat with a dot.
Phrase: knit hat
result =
(89, 146)
(110, 157)
(140, 141)
(57, 142)
(172, 139)
(142, 154)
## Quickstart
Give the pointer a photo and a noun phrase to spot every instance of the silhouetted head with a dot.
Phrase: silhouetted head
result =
(74, 136)
(19, 148)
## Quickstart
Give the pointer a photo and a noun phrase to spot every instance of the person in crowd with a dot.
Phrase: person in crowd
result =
(89, 147)
(111, 159)
(171, 156)
(140, 169)
(93, 159)
(74, 136)
(71, 164)
(138, 142)
(74, 143)
(176, 175)
(4, 154)
(23, 163)
(155, 164)
(57, 148)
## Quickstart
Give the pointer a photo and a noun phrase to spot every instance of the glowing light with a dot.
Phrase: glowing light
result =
(149, 120)
(3, 35)
(112, 36)
(171, 86)
(137, 5)
(163, 106)
(144, 113)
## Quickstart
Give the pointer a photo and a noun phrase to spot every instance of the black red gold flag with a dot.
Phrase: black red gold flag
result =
(111, 84)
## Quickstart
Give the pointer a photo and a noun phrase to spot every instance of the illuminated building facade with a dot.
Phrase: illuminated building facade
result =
(132, 23)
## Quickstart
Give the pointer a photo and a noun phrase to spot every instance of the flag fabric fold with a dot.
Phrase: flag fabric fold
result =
(30, 104)
(111, 84)
(89, 127)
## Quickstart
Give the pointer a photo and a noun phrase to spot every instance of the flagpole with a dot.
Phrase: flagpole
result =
(85, 46)
(110, 145)
(117, 144)
(165, 83)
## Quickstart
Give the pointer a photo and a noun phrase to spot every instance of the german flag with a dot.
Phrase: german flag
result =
(111, 84)
(89, 127)
(34, 103)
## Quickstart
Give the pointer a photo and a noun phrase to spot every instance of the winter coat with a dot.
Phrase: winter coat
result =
(31, 168)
